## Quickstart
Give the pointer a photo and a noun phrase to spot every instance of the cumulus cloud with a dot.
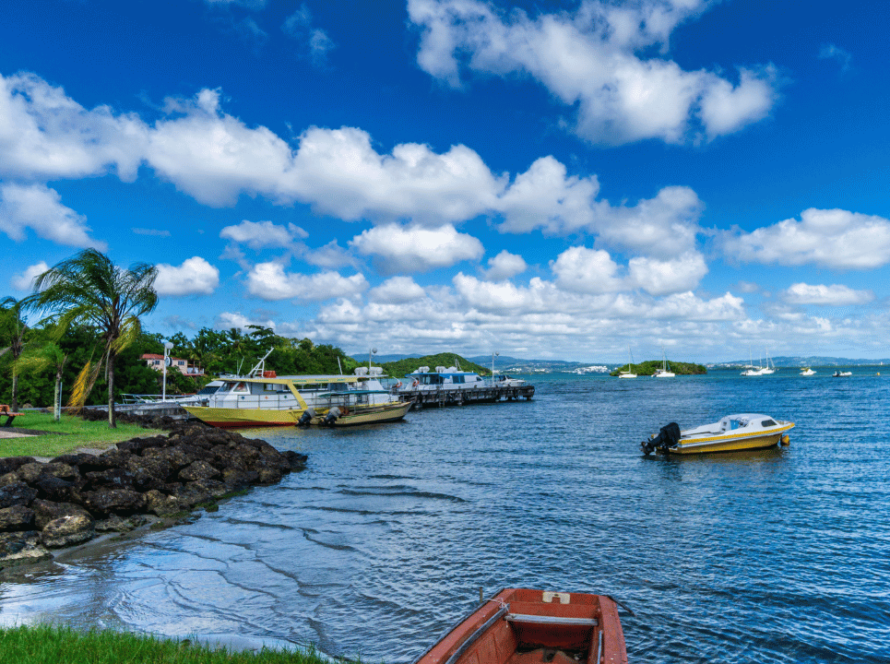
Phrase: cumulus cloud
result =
(330, 256)
(260, 234)
(194, 277)
(416, 249)
(397, 290)
(270, 282)
(24, 281)
(583, 270)
(45, 135)
(40, 208)
(663, 277)
(504, 266)
(835, 239)
(598, 58)
(835, 295)
(315, 42)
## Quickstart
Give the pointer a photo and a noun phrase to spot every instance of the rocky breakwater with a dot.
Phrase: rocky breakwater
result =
(75, 497)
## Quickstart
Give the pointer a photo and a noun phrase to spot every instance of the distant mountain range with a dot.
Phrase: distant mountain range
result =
(506, 363)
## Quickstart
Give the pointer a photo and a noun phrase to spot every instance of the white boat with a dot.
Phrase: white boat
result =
(746, 431)
(750, 369)
(841, 374)
(629, 373)
(508, 381)
(769, 368)
(663, 372)
(263, 398)
(806, 371)
(443, 379)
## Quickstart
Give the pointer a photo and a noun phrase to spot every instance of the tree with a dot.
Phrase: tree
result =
(48, 356)
(89, 289)
(13, 333)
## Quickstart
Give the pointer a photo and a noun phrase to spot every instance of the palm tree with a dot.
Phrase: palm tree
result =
(89, 289)
(15, 334)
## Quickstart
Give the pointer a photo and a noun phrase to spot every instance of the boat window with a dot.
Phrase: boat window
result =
(768, 423)
(338, 387)
(240, 388)
(457, 379)
(211, 389)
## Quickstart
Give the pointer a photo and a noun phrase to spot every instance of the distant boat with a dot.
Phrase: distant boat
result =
(663, 372)
(841, 374)
(806, 371)
(751, 370)
(523, 626)
(629, 373)
(769, 368)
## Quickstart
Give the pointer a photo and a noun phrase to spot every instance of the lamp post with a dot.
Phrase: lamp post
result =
(493, 355)
(167, 347)
(371, 353)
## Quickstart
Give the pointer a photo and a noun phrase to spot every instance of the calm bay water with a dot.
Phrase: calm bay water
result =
(781, 555)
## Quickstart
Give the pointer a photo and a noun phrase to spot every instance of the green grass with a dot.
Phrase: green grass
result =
(46, 644)
(70, 433)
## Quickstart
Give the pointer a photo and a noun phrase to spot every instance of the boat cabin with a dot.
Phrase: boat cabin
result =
(450, 377)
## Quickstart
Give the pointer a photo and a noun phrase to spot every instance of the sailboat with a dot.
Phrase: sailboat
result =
(751, 370)
(629, 373)
(770, 368)
(663, 372)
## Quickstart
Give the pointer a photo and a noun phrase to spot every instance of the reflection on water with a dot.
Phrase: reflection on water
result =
(777, 555)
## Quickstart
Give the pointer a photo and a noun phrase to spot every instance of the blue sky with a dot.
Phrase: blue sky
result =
(546, 179)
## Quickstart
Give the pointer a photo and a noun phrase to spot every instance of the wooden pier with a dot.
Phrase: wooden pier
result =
(442, 396)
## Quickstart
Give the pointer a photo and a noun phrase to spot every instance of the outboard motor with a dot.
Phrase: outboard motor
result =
(306, 418)
(331, 417)
(667, 437)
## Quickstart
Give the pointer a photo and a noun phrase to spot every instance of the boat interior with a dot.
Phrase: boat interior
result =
(731, 423)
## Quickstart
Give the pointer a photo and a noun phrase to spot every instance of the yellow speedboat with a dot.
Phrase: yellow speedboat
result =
(748, 431)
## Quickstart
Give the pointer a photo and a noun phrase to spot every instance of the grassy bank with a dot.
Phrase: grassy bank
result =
(44, 644)
(66, 435)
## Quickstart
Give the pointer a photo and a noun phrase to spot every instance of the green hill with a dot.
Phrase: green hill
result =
(401, 368)
(648, 368)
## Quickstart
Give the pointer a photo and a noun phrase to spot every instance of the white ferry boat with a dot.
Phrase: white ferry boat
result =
(450, 378)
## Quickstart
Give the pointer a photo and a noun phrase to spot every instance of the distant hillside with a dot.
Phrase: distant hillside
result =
(401, 368)
(648, 368)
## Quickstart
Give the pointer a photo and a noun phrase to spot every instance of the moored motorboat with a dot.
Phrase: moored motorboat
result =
(522, 626)
(747, 431)
(806, 371)
(348, 412)
(841, 374)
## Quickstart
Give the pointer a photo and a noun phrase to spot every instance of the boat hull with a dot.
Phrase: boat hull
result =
(239, 418)
(522, 626)
(731, 443)
(372, 415)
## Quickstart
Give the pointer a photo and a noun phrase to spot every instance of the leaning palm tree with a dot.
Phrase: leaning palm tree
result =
(89, 289)
(15, 338)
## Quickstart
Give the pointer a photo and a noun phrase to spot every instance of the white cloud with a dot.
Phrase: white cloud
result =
(330, 256)
(593, 58)
(194, 277)
(505, 266)
(44, 134)
(40, 208)
(270, 282)
(832, 52)
(260, 234)
(315, 41)
(835, 239)
(24, 281)
(416, 249)
(397, 290)
(835, 295)
(583, 270)
(228, 320)
(662, 277)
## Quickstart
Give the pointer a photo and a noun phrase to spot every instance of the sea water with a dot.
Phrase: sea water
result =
(780, 555)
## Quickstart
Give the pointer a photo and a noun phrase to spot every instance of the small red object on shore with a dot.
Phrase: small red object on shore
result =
(522, 626)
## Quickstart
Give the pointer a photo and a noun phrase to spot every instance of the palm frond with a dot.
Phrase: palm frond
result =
(83, 385)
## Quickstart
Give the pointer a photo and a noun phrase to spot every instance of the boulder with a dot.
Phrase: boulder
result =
(117, 524)
(59, 490)
(161, 504)
(21, 548)
(15, 518)
(296, 460)
(157, 469)
(74, 460)
(9, 478)
(113, 478)
(47, 510)
(198, 470)
(138, 445)
(174, 456)
(114, 458)
(17, 493)
(269, 475)
(122, 501)
(9, 464)
(238, 480)
(189, 495)
(67, 530)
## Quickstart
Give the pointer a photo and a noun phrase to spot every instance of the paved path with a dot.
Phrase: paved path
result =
(12, 433)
